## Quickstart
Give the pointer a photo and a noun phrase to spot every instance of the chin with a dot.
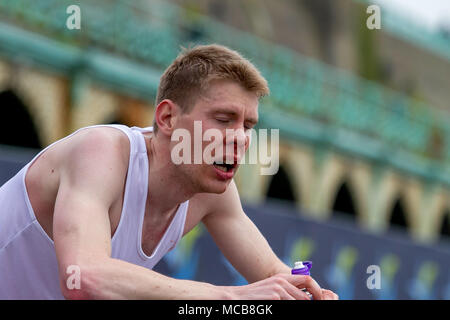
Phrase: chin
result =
(217, 187)
(214, 186)
(208, 182)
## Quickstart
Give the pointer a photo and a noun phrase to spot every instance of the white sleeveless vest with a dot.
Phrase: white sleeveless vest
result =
(28, 265)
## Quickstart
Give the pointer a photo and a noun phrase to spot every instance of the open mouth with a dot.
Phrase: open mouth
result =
(224, 167)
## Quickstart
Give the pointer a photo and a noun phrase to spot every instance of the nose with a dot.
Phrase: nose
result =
(237, 143)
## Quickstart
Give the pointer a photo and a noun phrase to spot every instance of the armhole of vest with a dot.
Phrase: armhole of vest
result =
(133, 149)
(25, 169)
(183, 224)
(127, 131)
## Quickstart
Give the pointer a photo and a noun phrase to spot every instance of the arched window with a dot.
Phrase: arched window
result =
(16, 125)
(398, 216)
(445, 228)
(343, 203)
(280, 187)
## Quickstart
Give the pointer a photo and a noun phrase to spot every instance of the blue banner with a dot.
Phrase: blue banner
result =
(345, 259)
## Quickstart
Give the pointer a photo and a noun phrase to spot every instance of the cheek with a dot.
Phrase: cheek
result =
(248, 138)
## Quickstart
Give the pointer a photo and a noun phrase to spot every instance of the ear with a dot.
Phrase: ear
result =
(166, 114)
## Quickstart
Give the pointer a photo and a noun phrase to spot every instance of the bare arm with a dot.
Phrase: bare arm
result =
(249, 252)
(239, 239)
(82, 233)
(82, 237)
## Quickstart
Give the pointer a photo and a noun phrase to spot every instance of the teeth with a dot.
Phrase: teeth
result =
(222, 168)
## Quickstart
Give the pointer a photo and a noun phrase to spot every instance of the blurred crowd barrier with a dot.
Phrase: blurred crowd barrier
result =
(12, 159)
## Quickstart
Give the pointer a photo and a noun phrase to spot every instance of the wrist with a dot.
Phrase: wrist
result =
(226, 293)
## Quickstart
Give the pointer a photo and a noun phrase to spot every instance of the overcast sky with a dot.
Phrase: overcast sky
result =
(430, 13)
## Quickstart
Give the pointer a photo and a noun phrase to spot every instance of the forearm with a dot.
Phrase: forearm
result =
(278, 267)
(117, 279)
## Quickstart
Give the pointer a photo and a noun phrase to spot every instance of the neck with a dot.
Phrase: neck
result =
(166, 188)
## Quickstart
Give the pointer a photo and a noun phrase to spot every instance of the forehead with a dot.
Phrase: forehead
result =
(227, 95)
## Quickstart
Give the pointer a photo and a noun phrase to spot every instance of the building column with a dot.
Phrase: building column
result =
(380, 197)
(328, 172)
(44, 93)
(300, 163)
(433, 204)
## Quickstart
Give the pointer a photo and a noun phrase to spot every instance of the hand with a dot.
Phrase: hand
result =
(281, 287)
(329, 295)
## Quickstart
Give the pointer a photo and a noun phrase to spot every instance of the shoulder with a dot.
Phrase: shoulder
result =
(98, 143)
(99, 138)
(96, 156)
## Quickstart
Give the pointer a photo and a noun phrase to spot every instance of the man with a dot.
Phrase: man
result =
(102, 206)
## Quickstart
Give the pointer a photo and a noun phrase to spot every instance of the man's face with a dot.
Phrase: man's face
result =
(230, 111)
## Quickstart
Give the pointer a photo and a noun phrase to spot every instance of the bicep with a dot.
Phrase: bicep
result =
(80, 226)
(89, 181)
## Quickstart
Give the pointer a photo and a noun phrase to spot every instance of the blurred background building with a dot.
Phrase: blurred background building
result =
(364, 120)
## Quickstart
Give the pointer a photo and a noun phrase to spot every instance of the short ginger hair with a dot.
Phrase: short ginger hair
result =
(191, 72)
